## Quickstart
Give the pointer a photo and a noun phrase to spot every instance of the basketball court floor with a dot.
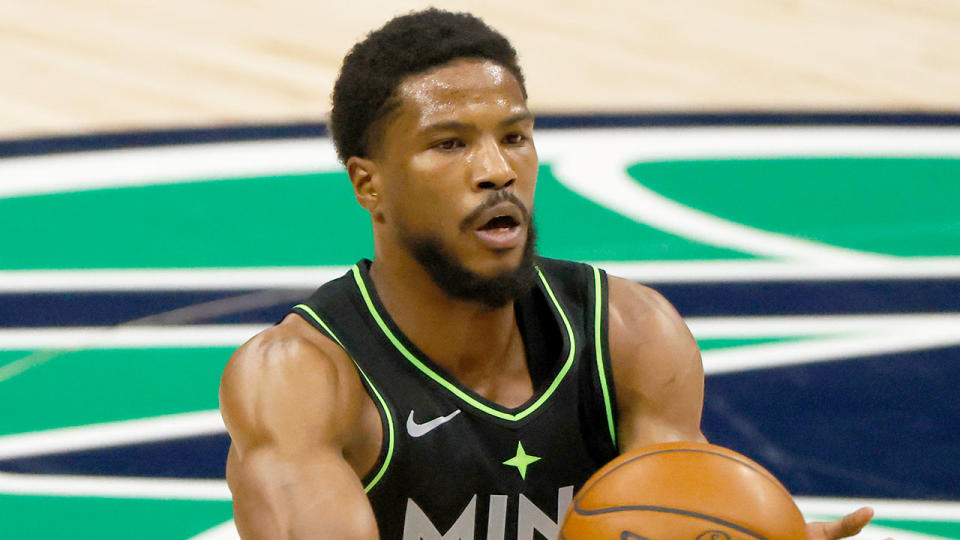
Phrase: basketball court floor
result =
(815, 256)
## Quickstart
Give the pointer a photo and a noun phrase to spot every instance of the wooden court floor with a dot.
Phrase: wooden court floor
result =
(72, 66)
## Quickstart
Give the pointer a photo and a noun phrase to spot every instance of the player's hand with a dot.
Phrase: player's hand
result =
(850, 525)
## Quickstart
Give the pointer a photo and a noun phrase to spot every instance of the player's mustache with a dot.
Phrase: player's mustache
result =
(493, 199)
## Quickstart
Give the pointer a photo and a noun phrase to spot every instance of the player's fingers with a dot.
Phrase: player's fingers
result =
(851, 523)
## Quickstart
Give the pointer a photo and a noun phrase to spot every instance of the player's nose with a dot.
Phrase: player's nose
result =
(492, 169)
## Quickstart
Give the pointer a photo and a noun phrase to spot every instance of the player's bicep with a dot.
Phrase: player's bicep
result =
(658, 374)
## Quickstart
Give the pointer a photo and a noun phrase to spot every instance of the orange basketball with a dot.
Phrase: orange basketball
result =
(688, 491)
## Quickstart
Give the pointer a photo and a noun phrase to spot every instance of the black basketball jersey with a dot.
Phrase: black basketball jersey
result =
(454, 465)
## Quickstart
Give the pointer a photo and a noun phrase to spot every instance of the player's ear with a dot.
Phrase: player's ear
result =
(365, 178)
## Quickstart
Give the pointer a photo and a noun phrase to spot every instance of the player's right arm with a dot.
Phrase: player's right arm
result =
(290, 406)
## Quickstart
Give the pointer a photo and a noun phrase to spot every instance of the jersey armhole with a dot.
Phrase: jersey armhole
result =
(601, 344)
(375, 474)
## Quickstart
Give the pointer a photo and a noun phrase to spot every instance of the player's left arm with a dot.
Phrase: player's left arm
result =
(658, 378)
(657, 372)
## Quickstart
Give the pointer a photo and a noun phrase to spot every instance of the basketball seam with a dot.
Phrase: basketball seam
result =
(669, 510)
(763, 473)
(587, 488)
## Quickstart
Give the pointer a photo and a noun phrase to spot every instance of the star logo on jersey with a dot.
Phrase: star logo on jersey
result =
(521, 461)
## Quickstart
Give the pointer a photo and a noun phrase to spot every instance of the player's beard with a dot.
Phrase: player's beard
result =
(448, 273)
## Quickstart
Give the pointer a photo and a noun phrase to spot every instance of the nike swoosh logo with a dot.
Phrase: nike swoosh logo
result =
(419, 430)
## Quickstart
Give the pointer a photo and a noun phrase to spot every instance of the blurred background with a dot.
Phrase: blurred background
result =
(785, 171)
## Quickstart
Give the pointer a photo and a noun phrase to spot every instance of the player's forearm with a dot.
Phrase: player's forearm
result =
(293, 519)
(348, 522)
(293, 500)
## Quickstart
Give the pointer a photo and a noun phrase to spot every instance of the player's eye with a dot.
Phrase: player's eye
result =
(514, 138)
(449, 144)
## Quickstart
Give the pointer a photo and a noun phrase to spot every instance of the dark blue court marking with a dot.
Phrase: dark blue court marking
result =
(750, 118)
(191, 457)
(880, 427)
(813, 297)
(158, 137)
(300, 130)
(34, 310)
(691, 299)
(885, 427)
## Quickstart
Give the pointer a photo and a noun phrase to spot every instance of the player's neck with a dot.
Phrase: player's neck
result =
(463, 337)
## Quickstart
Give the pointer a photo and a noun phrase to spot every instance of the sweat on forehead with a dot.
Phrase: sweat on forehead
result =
(463, 93)
(407, 45)
(444, 91)
(459, 76)
(458, 83)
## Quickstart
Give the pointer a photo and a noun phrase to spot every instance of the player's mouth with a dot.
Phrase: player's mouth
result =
(500, 227)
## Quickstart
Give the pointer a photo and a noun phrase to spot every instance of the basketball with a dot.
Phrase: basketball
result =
(686, 491)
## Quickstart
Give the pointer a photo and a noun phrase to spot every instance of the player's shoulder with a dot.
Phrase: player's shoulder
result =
(292, 346)
(640, 308)
(286, 371)
(646, 333)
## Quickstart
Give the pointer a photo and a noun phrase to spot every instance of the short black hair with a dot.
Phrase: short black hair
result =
(406, 45)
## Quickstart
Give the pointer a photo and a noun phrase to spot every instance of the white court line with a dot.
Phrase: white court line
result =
(225, 335)
(208, 422)
(120, 487)
(884, 508)
(838, 337)
(724, 142)
(607, 183)
(763, 270)
(30, 361)
(128, 337)
(111, 434)
(175, 164)
(30, 175)
(876, 532)
(77, 438)
(13, 281)
(594, 164)
(224, 531)
(777, 355)
(815, 325)
(168, 279)
(603, 178)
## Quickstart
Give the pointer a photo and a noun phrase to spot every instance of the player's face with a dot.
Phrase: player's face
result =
(459, 165)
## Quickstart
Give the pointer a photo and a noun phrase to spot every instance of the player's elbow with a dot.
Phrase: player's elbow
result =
(303, 523)
(351, 523)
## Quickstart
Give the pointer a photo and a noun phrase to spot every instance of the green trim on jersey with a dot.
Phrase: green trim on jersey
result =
(383, 404)
(598, 340)
(470, 400)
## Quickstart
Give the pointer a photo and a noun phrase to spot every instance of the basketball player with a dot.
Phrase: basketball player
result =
(458, 386)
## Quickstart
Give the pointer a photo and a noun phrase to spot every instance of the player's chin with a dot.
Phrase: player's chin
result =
(493, 263)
